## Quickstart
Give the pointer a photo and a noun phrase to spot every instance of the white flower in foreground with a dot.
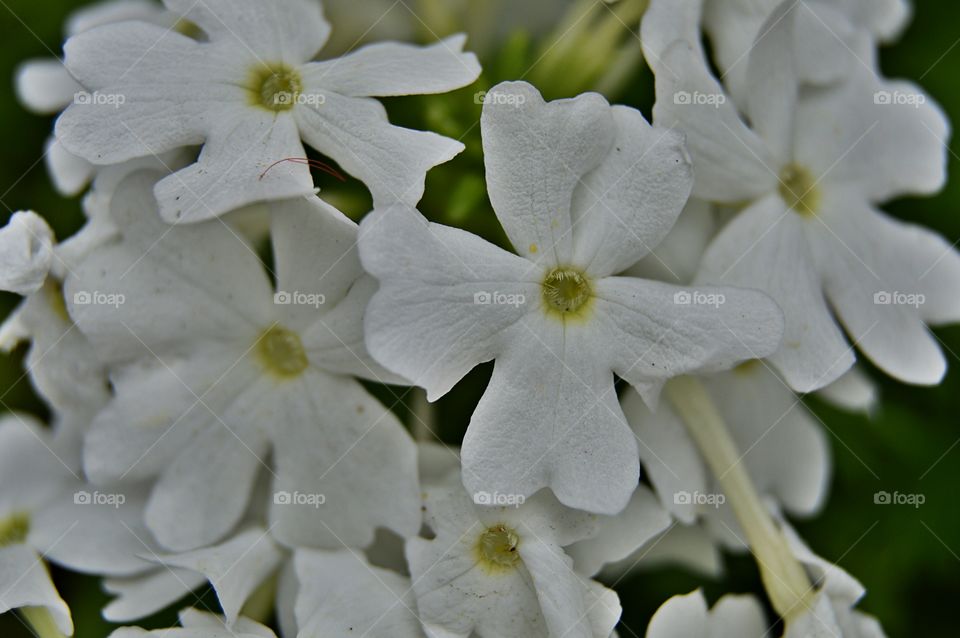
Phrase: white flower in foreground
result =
(341, 594)
(782, 447)
(46, 87)
(249, 95)
(213, 367)
(501, 572)
(583, 190)
(810, 173)
(199, 624)
(688, 617)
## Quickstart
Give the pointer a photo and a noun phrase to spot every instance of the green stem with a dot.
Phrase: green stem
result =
(784, 578)
(42, 622)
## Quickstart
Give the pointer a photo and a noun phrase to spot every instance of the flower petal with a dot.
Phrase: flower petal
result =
(25, 582)
(145, 595)
(45, 86)
(26, 253)
(535, 155)
(625, 207)
(394, 68)
(433, 318)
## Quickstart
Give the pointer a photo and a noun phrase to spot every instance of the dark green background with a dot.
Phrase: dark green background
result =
(908, 558)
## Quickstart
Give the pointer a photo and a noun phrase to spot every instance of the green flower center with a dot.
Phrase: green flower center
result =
(497, 547)
(14, 529)
(799, 189)
(275, 87)
(281, 352)
(566, 291)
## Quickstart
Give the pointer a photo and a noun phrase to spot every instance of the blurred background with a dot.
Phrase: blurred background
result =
(907, 557)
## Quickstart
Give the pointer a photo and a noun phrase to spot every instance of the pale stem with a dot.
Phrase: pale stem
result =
(424, 425)
(783, 576)
(41, 620)
(260, 604)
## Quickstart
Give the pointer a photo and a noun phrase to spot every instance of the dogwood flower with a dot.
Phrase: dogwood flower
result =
(45, 87)
(502, 571)
(583, 190)
(809, 174)
(341, 594)
(212, 367)
(196, 624)
(688, 617)
(248, 95)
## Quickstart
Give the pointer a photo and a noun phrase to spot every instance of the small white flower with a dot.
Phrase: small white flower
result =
(212, 370)
(502, 571)
(583, 190)
(808, 176)
(26, 253)
(248, 95)
(688, 617)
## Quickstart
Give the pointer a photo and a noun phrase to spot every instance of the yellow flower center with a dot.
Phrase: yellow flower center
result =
(566, 291)
(275, 87)
(799, 189)
(497, 548)
(14, 529)
(281, 352)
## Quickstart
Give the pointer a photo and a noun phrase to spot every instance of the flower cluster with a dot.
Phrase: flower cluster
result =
(234, 365)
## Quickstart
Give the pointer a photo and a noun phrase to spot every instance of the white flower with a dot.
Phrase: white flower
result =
(583, 190)
(782, 447)
(810, 172)
(248, 95)
(341, 594)
(45, 86)
(502, 571)
(197, 624)
(26, 253)
(688, 617)
(213, 367)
